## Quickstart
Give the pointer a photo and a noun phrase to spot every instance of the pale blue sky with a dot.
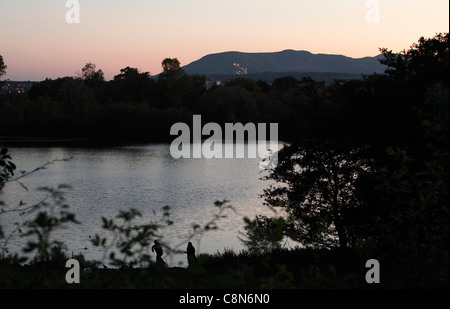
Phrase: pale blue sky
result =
(36, 41)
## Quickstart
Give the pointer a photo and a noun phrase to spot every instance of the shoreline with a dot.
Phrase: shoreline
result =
(6, 141)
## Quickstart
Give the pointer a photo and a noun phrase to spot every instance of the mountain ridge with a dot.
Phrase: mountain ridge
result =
(288, 60)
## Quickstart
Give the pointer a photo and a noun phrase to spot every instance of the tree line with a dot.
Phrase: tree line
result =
(135, 106)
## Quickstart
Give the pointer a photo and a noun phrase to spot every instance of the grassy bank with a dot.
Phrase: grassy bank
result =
(281, 269)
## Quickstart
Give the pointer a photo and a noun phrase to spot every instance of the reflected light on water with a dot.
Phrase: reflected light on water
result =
(146, 177)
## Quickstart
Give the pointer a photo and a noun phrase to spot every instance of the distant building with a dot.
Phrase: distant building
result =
(212, 82)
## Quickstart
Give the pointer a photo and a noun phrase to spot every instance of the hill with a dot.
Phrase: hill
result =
(284, 61)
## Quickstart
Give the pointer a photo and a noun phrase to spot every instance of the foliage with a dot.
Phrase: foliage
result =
(263, 234)
(171, 65)
(91, 76)
(425, 62)
(7, 167)
(3, 67)
(412, 223)
(318, 183)
(52, 215)
(136, 106)
(384, 192)
(131, 240)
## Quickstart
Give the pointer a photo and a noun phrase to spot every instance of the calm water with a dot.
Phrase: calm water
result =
(146, 177)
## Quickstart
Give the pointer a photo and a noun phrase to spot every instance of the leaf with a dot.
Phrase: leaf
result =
(106, 224)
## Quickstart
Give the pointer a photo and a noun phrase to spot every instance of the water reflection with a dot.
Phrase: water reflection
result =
(145, 177)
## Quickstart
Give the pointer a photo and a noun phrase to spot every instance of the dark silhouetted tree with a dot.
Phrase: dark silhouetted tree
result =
(89, 73)
(170, 65)
(171, 69)
(317, 184)
(425, 62)
(174, 85)
(132, 85)
(411, 229)
(3, 67)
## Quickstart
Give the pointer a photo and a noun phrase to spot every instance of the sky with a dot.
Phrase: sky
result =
(41, 39)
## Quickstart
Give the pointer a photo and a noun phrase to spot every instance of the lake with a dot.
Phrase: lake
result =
(105, 180)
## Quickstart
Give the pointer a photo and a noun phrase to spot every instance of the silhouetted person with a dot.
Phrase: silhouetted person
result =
(190, 250)
(159, 252)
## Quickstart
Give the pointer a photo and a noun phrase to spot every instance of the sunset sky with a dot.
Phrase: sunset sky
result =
(36, 41)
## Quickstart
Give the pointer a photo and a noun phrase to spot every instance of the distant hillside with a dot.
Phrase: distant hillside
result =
(269, 77)
(287, 61)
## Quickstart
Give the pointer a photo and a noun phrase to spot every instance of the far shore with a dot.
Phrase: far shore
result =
(29, 141)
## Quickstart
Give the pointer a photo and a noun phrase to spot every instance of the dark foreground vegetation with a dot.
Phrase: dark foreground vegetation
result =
(364, 175)
(279, 269)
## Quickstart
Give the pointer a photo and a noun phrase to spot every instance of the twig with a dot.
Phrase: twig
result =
(36, 169)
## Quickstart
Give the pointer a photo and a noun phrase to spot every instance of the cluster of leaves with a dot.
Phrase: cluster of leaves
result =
(6, 172)
(51, 216)
(263, 235)
(7, 167)
(3, 67)
(131, 240)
